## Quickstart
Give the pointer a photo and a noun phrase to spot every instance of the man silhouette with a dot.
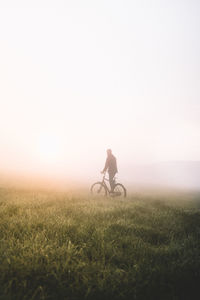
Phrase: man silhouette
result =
(111, 166)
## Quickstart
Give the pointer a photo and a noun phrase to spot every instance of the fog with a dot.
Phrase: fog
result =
(78, 77)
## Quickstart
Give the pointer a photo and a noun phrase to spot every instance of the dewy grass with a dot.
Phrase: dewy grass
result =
(60, 246)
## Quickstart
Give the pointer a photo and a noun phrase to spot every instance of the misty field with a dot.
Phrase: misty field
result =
(64, 246)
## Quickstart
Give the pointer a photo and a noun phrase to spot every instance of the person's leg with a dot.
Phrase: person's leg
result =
(112, 182)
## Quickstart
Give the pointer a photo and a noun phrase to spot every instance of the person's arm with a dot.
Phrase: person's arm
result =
(116, 165)
(106, 166)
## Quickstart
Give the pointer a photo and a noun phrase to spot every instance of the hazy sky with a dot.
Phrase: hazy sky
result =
(78, 77)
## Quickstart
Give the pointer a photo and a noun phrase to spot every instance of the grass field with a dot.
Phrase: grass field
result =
(64, 246)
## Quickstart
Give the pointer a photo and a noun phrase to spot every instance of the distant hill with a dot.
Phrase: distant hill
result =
(172, 173)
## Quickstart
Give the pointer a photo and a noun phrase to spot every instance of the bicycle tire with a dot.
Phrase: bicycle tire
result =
(119, 188)
(98, 189)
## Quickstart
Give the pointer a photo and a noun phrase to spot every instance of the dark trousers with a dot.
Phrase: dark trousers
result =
(111, 180)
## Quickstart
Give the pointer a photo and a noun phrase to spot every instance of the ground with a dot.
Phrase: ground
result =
(61, 245)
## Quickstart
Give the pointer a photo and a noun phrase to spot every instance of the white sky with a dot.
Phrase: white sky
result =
(78, 77)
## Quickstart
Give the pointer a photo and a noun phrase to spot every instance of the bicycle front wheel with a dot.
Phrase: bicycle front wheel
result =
(98, 190)
(119, 190)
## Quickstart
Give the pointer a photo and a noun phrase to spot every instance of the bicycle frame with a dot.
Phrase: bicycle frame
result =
(104, 183)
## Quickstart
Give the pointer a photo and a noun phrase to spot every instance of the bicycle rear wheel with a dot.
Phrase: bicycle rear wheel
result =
(119, 190)
(98, 190)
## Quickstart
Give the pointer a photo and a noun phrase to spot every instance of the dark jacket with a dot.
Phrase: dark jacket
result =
(111, 164)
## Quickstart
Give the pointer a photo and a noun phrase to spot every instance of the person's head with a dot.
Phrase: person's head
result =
(109, 152)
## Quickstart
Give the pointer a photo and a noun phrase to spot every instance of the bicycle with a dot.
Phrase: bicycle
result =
(100, 188)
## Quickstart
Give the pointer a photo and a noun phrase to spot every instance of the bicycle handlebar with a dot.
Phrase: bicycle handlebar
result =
(104, 177)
